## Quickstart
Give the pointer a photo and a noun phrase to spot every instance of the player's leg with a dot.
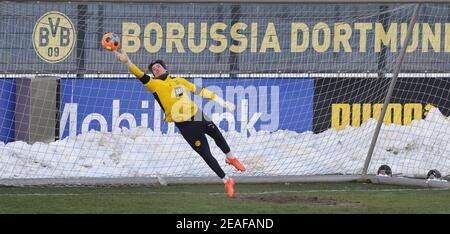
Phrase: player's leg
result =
(213, 131)
(192, 133)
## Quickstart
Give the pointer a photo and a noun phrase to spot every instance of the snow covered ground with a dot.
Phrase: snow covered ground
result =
(409, 150)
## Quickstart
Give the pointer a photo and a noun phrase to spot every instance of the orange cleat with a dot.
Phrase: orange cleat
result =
(235, 162)
(229, 186)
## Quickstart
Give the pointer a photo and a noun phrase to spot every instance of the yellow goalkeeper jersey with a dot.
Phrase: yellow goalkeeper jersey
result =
(171, 95)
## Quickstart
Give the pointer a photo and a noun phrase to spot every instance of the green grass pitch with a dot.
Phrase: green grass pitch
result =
(211, 198)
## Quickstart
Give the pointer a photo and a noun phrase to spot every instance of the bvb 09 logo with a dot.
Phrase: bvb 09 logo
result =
(53, 37)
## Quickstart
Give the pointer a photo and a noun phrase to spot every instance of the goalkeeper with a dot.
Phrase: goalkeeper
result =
(170, 93)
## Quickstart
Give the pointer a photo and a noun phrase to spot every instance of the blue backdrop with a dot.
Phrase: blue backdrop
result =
(281, 103)
(7, 107)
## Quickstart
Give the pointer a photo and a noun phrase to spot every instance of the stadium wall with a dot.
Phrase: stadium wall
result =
(339, 104)
(266, 32)
(262, 105)
(326, 103)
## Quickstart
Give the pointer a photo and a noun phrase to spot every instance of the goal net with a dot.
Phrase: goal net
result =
(308, 81)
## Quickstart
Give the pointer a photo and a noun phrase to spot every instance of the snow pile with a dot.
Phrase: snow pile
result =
(409, 150)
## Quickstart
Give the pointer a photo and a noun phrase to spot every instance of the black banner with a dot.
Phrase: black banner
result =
(42, 37)
(339, 102)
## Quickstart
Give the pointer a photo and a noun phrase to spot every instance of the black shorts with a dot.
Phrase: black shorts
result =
(194, 131)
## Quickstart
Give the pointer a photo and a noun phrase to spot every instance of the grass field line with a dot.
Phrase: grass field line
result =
(242, 193)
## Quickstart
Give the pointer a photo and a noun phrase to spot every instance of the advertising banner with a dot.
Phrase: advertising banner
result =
(110, 104)
(65, 37)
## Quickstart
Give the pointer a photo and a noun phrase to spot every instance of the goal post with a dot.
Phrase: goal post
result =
(323, 92)
(398, 64)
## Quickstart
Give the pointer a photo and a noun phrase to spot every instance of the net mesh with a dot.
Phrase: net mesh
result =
(308, 81)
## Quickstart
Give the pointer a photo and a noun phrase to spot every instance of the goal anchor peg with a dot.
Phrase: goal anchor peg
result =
(384, 170)
(434, 175)
(434, 179)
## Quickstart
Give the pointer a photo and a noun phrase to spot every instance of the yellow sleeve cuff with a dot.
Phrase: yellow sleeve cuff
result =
(136, 71)
(207, 94)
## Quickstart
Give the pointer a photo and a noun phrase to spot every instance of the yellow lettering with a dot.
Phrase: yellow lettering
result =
(147, 37)
(191, 37)
(342, 38)
(389, 37)
(408, 116)
(270, 39)
(337, 110)
(377, 110)
(218, 37)
(234, 32)
(393, 114)
(394, 110)
(175, 32)
(447, 37)
(254, 38)
(363, 27)
(356, 115)
(434, 39)
(295, 27)
(367, 112)
(326, 37)
(428, 107)
(344, 114)
(414, 37)
(130, 37)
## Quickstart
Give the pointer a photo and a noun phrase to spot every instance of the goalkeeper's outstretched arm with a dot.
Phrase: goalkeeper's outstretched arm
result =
(144, 78)
(123, 57)
(206, 93)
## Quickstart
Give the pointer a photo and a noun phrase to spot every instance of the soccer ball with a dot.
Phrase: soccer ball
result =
(111, 41)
